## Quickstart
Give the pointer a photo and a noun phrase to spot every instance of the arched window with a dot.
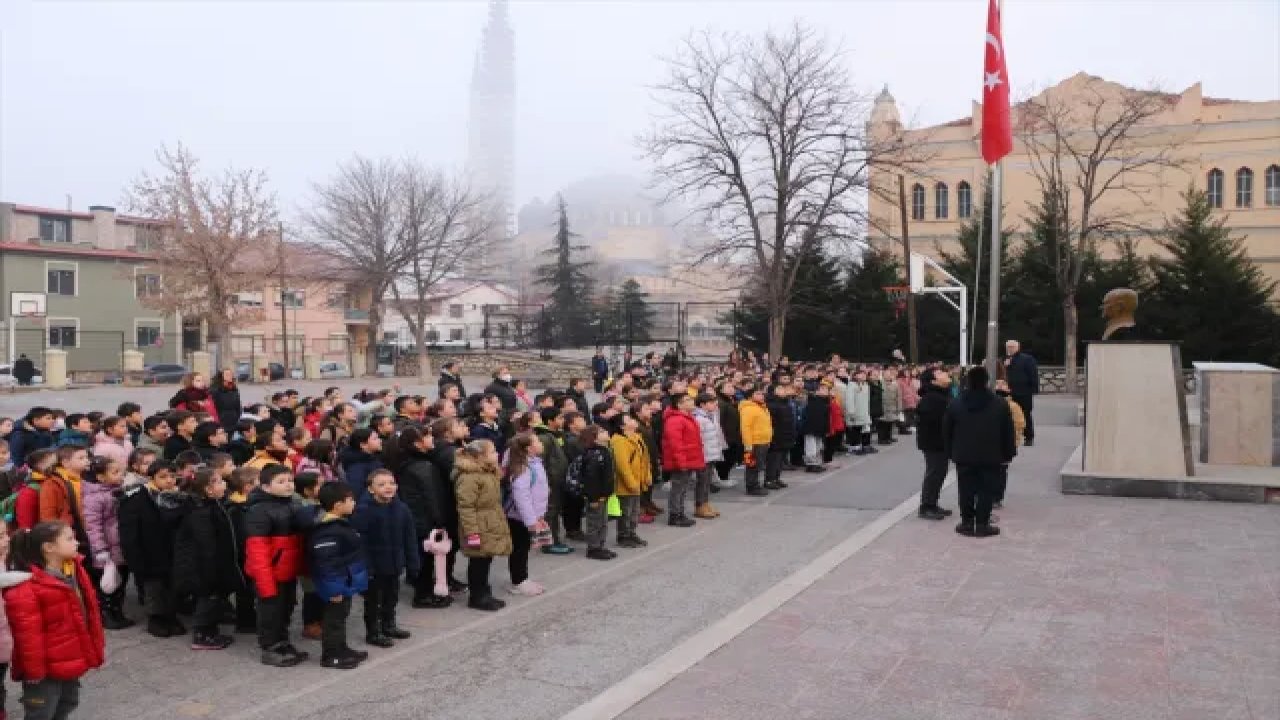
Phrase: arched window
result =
(1213, 188)
(1244, 188)
(1273, 186)
(940, 201)
(917, 202)
(964, 201)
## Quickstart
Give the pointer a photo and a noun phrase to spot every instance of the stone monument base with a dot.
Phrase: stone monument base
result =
(1224, 483)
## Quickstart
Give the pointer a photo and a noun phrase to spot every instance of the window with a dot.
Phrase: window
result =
(917, 202)
(1213, 188)
(940, 201)
(433, 336)
(247, 344)
(292, 298)
(337, 300)
(146, 285)
(62, 336)
(147, 335)
(1244, 188)
(455, 311)
(55, 229)
(249, 299)
(337, 342)
(964, 201)
(391, 337)
(1273, 186)
(146, 238)
(455, 333)
(62, 282)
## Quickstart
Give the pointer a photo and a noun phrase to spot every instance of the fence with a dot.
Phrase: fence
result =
(256, 349)
(92, 355)
(703, 328)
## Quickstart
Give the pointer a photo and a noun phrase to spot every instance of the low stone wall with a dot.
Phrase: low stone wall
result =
(537, 372)
(1053, 380)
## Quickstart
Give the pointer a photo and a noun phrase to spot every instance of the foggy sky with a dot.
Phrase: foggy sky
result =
(89, 90)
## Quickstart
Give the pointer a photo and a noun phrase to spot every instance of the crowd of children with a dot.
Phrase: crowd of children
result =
(218, 511)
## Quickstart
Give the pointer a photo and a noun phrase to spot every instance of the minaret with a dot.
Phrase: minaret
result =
(491, 145)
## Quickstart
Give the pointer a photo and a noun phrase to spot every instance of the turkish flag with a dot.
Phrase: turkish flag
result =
(997, 131)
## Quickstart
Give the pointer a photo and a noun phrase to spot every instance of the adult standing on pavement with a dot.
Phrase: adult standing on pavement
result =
(935, 396)
(1024, 382)
(977, 431)
(24, 371)
(226, 400)
(599, 370)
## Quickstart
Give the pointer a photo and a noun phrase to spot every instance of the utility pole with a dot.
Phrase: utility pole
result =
(906, 261)
(284, 310)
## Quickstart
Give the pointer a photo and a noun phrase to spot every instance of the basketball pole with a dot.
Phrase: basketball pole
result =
(906, 259)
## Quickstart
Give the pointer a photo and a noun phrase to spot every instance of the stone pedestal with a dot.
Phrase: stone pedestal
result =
(132, 361)
(258, 369)
(202, 363)
(311, 368)
(1136, 412)
(1239, 413)
(55, 369)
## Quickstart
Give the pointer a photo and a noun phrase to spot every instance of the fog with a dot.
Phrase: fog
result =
(88, 90)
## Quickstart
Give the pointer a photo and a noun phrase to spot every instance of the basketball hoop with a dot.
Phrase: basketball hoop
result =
(898, 296)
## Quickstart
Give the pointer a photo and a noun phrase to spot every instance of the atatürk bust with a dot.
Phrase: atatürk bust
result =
(1118, 307)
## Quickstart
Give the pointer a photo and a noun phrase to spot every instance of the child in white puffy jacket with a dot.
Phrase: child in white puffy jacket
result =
(707, 414)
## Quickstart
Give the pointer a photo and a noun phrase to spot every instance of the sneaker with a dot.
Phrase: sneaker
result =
(757, 492)
(645, 519)
(528, 588)
(210, 641)
(281, 655)
(432, 602)
(556, 549)
(339, 662)
(931, 513)
(302, 655)
(965, 528)
(456, 586)
(601, 554)
(681, 521)
(487, 604)
(312, 631)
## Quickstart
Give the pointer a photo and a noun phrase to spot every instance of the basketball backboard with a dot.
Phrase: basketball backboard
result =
(27, 304)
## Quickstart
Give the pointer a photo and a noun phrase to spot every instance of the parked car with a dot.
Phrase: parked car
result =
(7, 379)
(162, 373)
(243, 369)
(334, 370)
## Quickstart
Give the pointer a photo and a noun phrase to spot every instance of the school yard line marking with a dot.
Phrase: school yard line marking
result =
(630, 691)
(379, 659)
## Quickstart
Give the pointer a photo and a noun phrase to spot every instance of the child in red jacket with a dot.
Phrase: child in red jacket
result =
(26, 504)
(682, 455)
(57, 632)
(273, 560)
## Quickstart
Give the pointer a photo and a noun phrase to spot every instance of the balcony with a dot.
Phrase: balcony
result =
(355, 316)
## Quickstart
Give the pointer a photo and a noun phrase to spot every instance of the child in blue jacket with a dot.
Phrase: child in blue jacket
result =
(335, 554)
(386, 525)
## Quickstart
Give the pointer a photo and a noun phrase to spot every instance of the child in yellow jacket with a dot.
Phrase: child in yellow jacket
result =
(757, 433)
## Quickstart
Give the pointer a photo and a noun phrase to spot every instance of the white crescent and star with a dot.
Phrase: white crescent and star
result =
(994, 42)
(992, 81)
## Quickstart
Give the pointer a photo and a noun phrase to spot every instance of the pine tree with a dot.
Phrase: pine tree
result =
(1208, 295)
(636, 315)
(1126, 270)
(569, 315)
(813, 326)
(1031, 309)
(872, 327)
(972, 240)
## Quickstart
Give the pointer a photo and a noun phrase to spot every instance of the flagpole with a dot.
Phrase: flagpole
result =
(993, 293)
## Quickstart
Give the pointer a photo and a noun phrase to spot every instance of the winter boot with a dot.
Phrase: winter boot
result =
(339, 662)
(390, 628)
(374, 635)
(704, 511)
(714, 511)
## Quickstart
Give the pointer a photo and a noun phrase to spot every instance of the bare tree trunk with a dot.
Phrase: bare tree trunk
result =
(1071, 331)
(371, 341)
(424, 360)
(777, 329)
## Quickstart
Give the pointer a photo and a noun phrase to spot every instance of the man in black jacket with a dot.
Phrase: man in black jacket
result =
(1024, 383)
(935, 396)
(501, 387)
(451, 374)
(978, 433)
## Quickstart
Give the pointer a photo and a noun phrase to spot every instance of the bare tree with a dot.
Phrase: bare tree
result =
(1084, 148)
(443, 223)
(766, 137)
(219, 242)
(357, 217)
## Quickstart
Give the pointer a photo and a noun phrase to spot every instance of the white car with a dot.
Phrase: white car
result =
(7, 380)
(334, 370)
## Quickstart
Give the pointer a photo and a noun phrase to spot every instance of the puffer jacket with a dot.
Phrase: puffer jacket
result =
(273, 547)
(892, 401)
(817, 416)
(205, 551)
(598, 474)
(730, 421)
(71, 437)
(647, 433)
(877, 399)
(632, 470)
(783, 416)
(529, 494)
(713, 440)
(479, 492)
(26, 438)
(194, 400)
(553, 457)
(908, 391)
(387, 531)
(357, 465)
(101, 509)
(681, 442)
(146, 533)
(857, 404)
(118, 450)
(429, 495)
(57, 631)
(335, 559)
(757, 428)
(8, 579)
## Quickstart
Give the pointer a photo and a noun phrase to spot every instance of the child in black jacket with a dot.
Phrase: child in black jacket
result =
(205, 558)
(146, 536)
(597, 485)
(391, 546)
(431, 502)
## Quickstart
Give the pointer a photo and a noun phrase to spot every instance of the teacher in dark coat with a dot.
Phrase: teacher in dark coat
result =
(1024, 383)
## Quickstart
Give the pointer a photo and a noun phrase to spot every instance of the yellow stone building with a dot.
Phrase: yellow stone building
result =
(1229, 148)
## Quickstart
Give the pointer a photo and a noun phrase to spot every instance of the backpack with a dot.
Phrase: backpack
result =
(573, 477)
(9, 505)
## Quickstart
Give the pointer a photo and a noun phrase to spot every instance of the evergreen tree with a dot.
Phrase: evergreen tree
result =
(972, 240)
(813, 321)
(569, 315)
(1208, 295)
(636, 315)
(1127, 270)
(1031, 310)
(872, 327)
